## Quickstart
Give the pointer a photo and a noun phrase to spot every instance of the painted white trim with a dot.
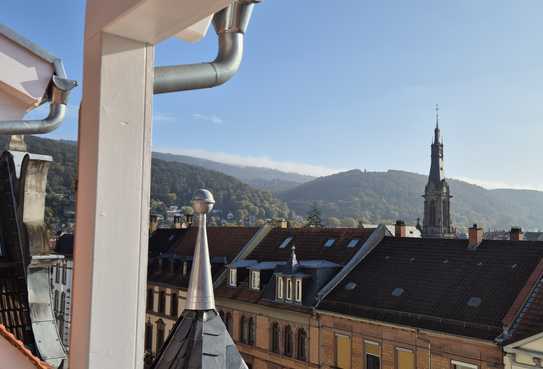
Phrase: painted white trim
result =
(467, 365)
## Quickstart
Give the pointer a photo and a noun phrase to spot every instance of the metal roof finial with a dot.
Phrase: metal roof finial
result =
(200, 292)
(293, 259)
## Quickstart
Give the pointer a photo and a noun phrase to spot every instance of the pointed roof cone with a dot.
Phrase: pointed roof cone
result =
(200, 292)
(199, 339)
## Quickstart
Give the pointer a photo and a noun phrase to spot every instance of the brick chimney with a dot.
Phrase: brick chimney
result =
(516, 234)
(281, 223)
(400, 230)
(475, 236)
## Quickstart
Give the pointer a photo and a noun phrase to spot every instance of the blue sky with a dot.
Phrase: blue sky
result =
(325, 87)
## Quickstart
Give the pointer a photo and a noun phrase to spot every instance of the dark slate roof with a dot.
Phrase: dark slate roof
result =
(525, 318)
(310, 252)
(163, 239)
(224, 245)
(199, 340)
(65, 244)
(309, 244)
(439, 278)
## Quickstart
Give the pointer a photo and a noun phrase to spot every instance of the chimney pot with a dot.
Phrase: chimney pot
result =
(475, 236)
(177, 221)
(400, 230)
(516, 234)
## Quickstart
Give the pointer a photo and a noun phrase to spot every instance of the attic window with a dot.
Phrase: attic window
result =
(411, 260)
(298, 290)
(474, 302)
(446, 261)
(232, 276)
(279, 288)
(255, 280)
(330, 242)
(285, 242)
(350, 286)
(352, 243)
(398, 292)
(480, 263)
(514, 266)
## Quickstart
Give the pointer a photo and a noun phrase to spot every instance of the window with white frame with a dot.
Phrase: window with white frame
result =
(255, 279)
(232, 277)
(298, 290)
(289, 289)
(279, 288)
(461, 365)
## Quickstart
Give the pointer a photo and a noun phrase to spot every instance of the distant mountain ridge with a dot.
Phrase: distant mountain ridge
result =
(373, 197)
(387, 196)
(172, 183)
(259, 177)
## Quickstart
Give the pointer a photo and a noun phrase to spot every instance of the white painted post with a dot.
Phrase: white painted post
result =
(110, 254)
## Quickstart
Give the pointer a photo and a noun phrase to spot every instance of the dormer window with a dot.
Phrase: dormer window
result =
(232, 277)
(285, 242)
(329, 242)
(279, 288)
(289, 289)
(298, 290)
(255, 280)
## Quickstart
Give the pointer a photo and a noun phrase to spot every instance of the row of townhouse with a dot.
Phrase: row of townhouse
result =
(359, 298)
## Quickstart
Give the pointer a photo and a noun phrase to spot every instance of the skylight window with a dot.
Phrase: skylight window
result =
(474, 301)
(398, 292)
(350, 286)
(285, 242)
(352, 243)
(330, 242)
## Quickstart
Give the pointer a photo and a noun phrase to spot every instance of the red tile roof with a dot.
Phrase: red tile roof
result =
(21, 347)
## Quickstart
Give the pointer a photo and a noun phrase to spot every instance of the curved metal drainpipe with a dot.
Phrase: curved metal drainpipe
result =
(60, 89)
(230, 25)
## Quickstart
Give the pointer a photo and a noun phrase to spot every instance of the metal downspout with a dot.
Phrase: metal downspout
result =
(60, 90)
(230, 25)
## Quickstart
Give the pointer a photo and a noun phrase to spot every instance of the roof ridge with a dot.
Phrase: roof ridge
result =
(38, 363)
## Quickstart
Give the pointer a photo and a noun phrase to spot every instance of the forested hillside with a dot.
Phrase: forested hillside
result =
(352, 196)
(172, 183)
(376, 197)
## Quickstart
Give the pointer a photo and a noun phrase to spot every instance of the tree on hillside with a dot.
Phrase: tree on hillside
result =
(313, 218)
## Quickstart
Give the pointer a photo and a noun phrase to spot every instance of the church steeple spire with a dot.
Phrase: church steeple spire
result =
(437, 218)
(437, 135)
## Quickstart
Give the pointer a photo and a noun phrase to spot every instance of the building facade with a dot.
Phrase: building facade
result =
(61, 287)
(437, 211)
(359, 298)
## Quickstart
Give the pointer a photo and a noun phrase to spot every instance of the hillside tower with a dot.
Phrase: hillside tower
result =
(437, 211)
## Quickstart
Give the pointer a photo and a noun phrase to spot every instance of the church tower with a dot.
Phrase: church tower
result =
(437, 213)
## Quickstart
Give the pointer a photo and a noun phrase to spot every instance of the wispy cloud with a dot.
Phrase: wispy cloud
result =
(208, 118)
(254, 161)
(499, 184)
(163, 117)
